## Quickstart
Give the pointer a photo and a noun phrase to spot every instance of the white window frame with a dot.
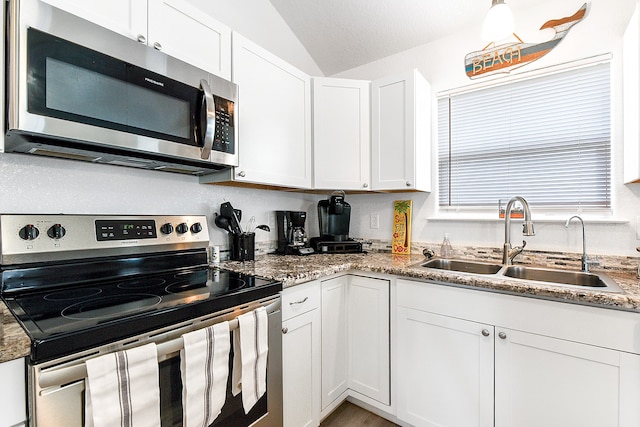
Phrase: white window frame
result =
(467, 212)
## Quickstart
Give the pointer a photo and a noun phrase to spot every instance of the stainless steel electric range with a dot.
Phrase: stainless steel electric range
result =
(84, 285)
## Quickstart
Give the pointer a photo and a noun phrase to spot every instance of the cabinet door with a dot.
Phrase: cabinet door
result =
(275, 118)
(445, 370)
(334, 339)
(126, 17)
(368, 312)
(301, 370)
(400, 133)
(341, 140)
(542, 381)
(185, 32)
(13, 408)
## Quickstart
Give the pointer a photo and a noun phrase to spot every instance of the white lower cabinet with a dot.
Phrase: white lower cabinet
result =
(355, 340)
(445, 370)
(451, 361)
(13, 407)
(543, 381)
(301, 355)
(368, 326)
(335, 380)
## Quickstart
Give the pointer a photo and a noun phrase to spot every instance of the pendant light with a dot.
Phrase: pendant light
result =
(498, 24)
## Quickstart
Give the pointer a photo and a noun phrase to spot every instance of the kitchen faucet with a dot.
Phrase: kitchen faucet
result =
(585, 259)
(527, 229)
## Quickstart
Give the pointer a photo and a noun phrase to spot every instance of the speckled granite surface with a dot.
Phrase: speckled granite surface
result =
(293, 270)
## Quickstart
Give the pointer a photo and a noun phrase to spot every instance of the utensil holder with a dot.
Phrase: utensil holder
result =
(242, 246)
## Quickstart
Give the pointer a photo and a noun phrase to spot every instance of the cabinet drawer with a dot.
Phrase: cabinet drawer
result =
(300, 299)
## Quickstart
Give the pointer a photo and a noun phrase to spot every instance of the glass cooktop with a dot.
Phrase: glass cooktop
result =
(64, 320)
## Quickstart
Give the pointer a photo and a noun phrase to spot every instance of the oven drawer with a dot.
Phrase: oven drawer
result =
(300, 299)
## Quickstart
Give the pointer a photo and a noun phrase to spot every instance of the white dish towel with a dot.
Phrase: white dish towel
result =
(204, 366)
(123, 389)
(250, 349)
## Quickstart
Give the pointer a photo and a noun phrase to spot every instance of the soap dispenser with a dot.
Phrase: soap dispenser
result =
(446, 251)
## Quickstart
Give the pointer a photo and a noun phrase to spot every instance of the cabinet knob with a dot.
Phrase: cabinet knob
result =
(285, 330)
(142, 39)
(157, 46)
(242, 174)
(365, 185)
(409, 184)
(502, 335)
(485, 332)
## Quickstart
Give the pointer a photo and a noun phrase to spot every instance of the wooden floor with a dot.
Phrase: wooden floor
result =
(350, 415)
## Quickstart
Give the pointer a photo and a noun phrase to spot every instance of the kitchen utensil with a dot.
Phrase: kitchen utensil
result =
(251, 225)
(233, 215)
(263, 227)
(223, 222)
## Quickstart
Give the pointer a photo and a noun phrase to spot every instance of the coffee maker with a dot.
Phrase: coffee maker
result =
(334, 216)
(292, 238)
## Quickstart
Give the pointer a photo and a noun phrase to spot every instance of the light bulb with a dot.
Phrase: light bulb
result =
(498, 24)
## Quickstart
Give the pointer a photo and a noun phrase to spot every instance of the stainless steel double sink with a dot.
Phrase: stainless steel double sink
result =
(594, 281)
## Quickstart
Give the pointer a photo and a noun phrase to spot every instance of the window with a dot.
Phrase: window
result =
(546, 138)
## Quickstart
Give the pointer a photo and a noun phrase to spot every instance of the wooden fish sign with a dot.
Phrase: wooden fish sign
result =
(506, 57)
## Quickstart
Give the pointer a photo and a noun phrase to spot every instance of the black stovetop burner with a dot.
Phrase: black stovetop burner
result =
(71, 307)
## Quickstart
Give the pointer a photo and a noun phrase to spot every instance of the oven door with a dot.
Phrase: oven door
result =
(56, 394)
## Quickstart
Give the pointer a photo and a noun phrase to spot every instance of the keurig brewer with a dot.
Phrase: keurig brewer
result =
(292, 238)
(334, 215)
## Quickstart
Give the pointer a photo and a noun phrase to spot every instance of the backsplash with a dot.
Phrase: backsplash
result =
(568, 260)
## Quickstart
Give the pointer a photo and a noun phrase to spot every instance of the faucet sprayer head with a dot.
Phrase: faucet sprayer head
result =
(527, 229)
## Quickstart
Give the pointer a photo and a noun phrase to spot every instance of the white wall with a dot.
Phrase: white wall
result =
(442, 63)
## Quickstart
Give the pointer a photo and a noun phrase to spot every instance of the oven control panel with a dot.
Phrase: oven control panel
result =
(39, 238)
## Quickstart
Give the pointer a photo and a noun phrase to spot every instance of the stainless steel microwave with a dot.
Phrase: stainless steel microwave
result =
(79, 91)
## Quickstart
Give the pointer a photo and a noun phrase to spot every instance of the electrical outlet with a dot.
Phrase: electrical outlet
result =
(374, 221)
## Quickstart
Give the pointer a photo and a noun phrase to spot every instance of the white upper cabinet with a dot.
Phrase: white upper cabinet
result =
(185, 32)
(173, 26)
(341, 136)
(275, 118)
(401, 133)
(631, 83)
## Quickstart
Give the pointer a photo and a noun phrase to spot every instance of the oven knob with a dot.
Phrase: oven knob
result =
(56, 231)
(29, 232)
(196, 227)
(166, 228)
(182, 228)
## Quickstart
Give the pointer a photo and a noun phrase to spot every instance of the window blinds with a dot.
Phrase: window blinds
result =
(546, 138)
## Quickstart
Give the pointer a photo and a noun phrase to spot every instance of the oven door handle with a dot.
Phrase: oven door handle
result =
(57, 377)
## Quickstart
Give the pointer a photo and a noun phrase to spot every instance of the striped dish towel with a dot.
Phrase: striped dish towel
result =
(250, 348)
(123, 389)
(204, 366)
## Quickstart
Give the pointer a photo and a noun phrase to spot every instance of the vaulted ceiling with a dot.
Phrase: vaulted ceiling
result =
(343, 34)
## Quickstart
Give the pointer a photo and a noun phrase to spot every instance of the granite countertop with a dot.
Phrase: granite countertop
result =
(293, 270)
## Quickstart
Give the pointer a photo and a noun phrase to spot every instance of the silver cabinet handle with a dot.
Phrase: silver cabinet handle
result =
(208, 105)
(302, 301)
(485, 332)
(365, 185)
(285, 330)
(502, 335)
(242, 174)
(157, 46)
(409, 184)
(142, 39)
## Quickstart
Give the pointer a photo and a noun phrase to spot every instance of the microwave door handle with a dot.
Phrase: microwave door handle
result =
(211, 120)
